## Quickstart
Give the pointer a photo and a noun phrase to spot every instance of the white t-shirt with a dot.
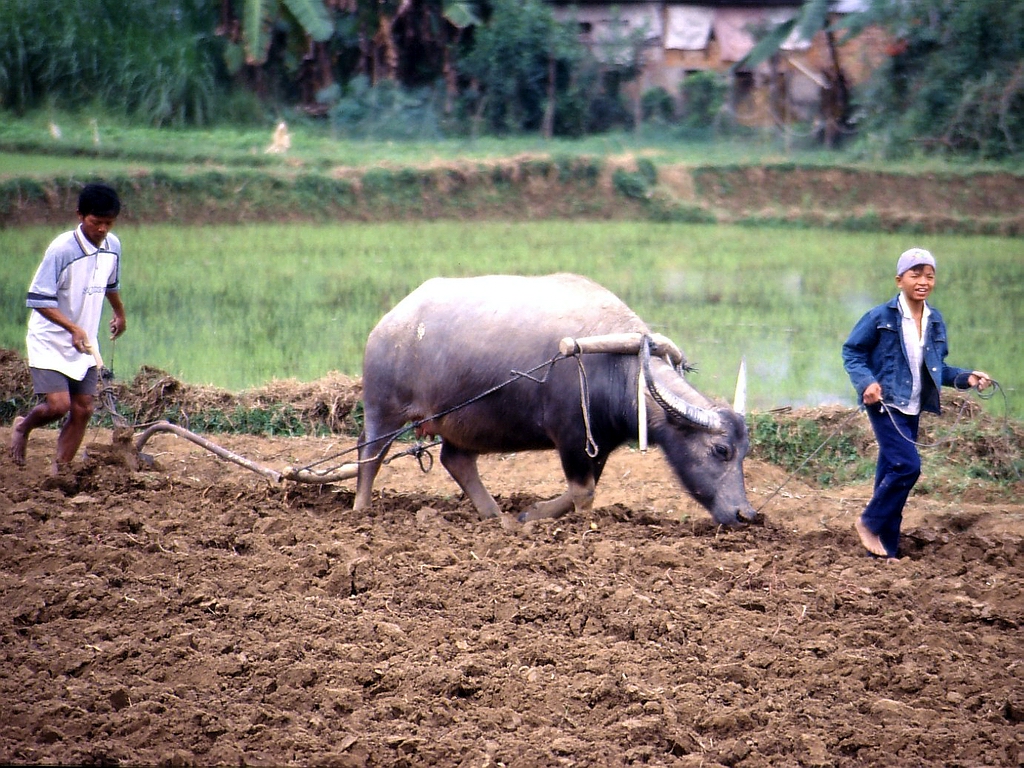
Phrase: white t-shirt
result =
(73, 277)
(913, 343)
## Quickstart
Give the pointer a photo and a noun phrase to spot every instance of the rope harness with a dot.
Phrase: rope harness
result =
(418, 450)
(421, 451)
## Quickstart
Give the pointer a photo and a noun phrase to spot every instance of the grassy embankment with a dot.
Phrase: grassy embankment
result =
(226, 176)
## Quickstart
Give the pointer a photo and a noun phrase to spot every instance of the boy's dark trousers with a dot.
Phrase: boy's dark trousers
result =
(899, 466)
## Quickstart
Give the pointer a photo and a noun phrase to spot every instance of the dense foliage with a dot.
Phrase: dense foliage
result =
(953, 81)
(160, 61)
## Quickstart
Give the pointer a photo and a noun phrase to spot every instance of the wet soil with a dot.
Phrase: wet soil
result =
(191, 612)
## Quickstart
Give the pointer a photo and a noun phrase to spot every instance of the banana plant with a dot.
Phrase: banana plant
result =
(461, 14)
(815, 17)
(249, 25)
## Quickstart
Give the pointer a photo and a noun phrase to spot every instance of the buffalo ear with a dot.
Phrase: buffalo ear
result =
(739, 403)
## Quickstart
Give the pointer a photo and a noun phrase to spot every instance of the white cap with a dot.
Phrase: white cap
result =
(915, 257)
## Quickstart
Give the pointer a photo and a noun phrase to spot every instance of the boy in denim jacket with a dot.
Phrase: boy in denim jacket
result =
(896, 359)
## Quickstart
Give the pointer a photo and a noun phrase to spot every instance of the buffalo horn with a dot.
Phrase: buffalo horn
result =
(739, 403)
(705, 418)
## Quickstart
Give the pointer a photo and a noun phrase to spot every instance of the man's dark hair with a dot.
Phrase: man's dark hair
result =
(98, 200)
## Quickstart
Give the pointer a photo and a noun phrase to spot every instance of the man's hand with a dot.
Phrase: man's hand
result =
(117, 326)
(79, 339)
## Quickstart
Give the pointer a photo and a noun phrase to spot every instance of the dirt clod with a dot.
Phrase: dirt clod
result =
(193, 613)
(195, 605)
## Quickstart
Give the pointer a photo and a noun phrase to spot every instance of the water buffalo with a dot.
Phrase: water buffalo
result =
(446, 359)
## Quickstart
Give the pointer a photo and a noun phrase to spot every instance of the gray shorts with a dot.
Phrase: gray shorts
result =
(46, 382)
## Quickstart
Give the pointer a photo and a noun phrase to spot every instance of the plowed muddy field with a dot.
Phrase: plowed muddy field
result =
(194, 613)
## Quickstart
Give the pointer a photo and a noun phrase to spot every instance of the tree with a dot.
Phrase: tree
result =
(461, 15)
(303, 26)
(514, 63)
(813, 19)
(954, 81)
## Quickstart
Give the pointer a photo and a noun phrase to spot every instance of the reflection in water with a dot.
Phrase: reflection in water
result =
(789, 333)
(791, 330)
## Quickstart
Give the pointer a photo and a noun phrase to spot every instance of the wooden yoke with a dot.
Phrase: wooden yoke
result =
(622, 344)
(627, 344)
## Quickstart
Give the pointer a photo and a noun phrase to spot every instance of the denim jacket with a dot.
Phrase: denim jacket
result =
(875, 352)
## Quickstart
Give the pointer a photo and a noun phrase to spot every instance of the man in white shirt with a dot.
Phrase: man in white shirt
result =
(79, 269)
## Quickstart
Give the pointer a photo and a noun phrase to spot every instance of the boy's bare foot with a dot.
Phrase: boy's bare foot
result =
(871, 542)
(18, 442)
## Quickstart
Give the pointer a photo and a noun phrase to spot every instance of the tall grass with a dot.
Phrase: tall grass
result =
(154, 61)
(238, 306)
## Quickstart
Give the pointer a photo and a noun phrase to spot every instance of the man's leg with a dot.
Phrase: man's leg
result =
(54, 406)
(73, 431)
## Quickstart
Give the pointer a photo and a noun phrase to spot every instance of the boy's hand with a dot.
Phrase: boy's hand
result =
(979, 379)
(872, 393)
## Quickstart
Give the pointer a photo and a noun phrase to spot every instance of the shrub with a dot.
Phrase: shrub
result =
(386, 111)
(656, 105)
(631, 184)
(703, 95)
(954, 82)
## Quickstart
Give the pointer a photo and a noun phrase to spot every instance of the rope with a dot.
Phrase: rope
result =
(591, 446)
(106, 397)
(886, 407)
(426, 460)
(422, 453)
(813, 453)
(390, 437)
(980, 394)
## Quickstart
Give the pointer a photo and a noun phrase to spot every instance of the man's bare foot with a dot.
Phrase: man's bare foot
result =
(871, 542)
(18, 442)
(62, 478)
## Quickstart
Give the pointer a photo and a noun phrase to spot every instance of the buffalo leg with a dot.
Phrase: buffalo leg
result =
(367, 471)
(582, 479)
(580, 496)
(461, 465)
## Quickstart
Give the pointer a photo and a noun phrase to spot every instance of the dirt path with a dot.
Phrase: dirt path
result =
(195, 614)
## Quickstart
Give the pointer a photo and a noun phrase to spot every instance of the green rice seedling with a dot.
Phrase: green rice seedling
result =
(239, 306)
